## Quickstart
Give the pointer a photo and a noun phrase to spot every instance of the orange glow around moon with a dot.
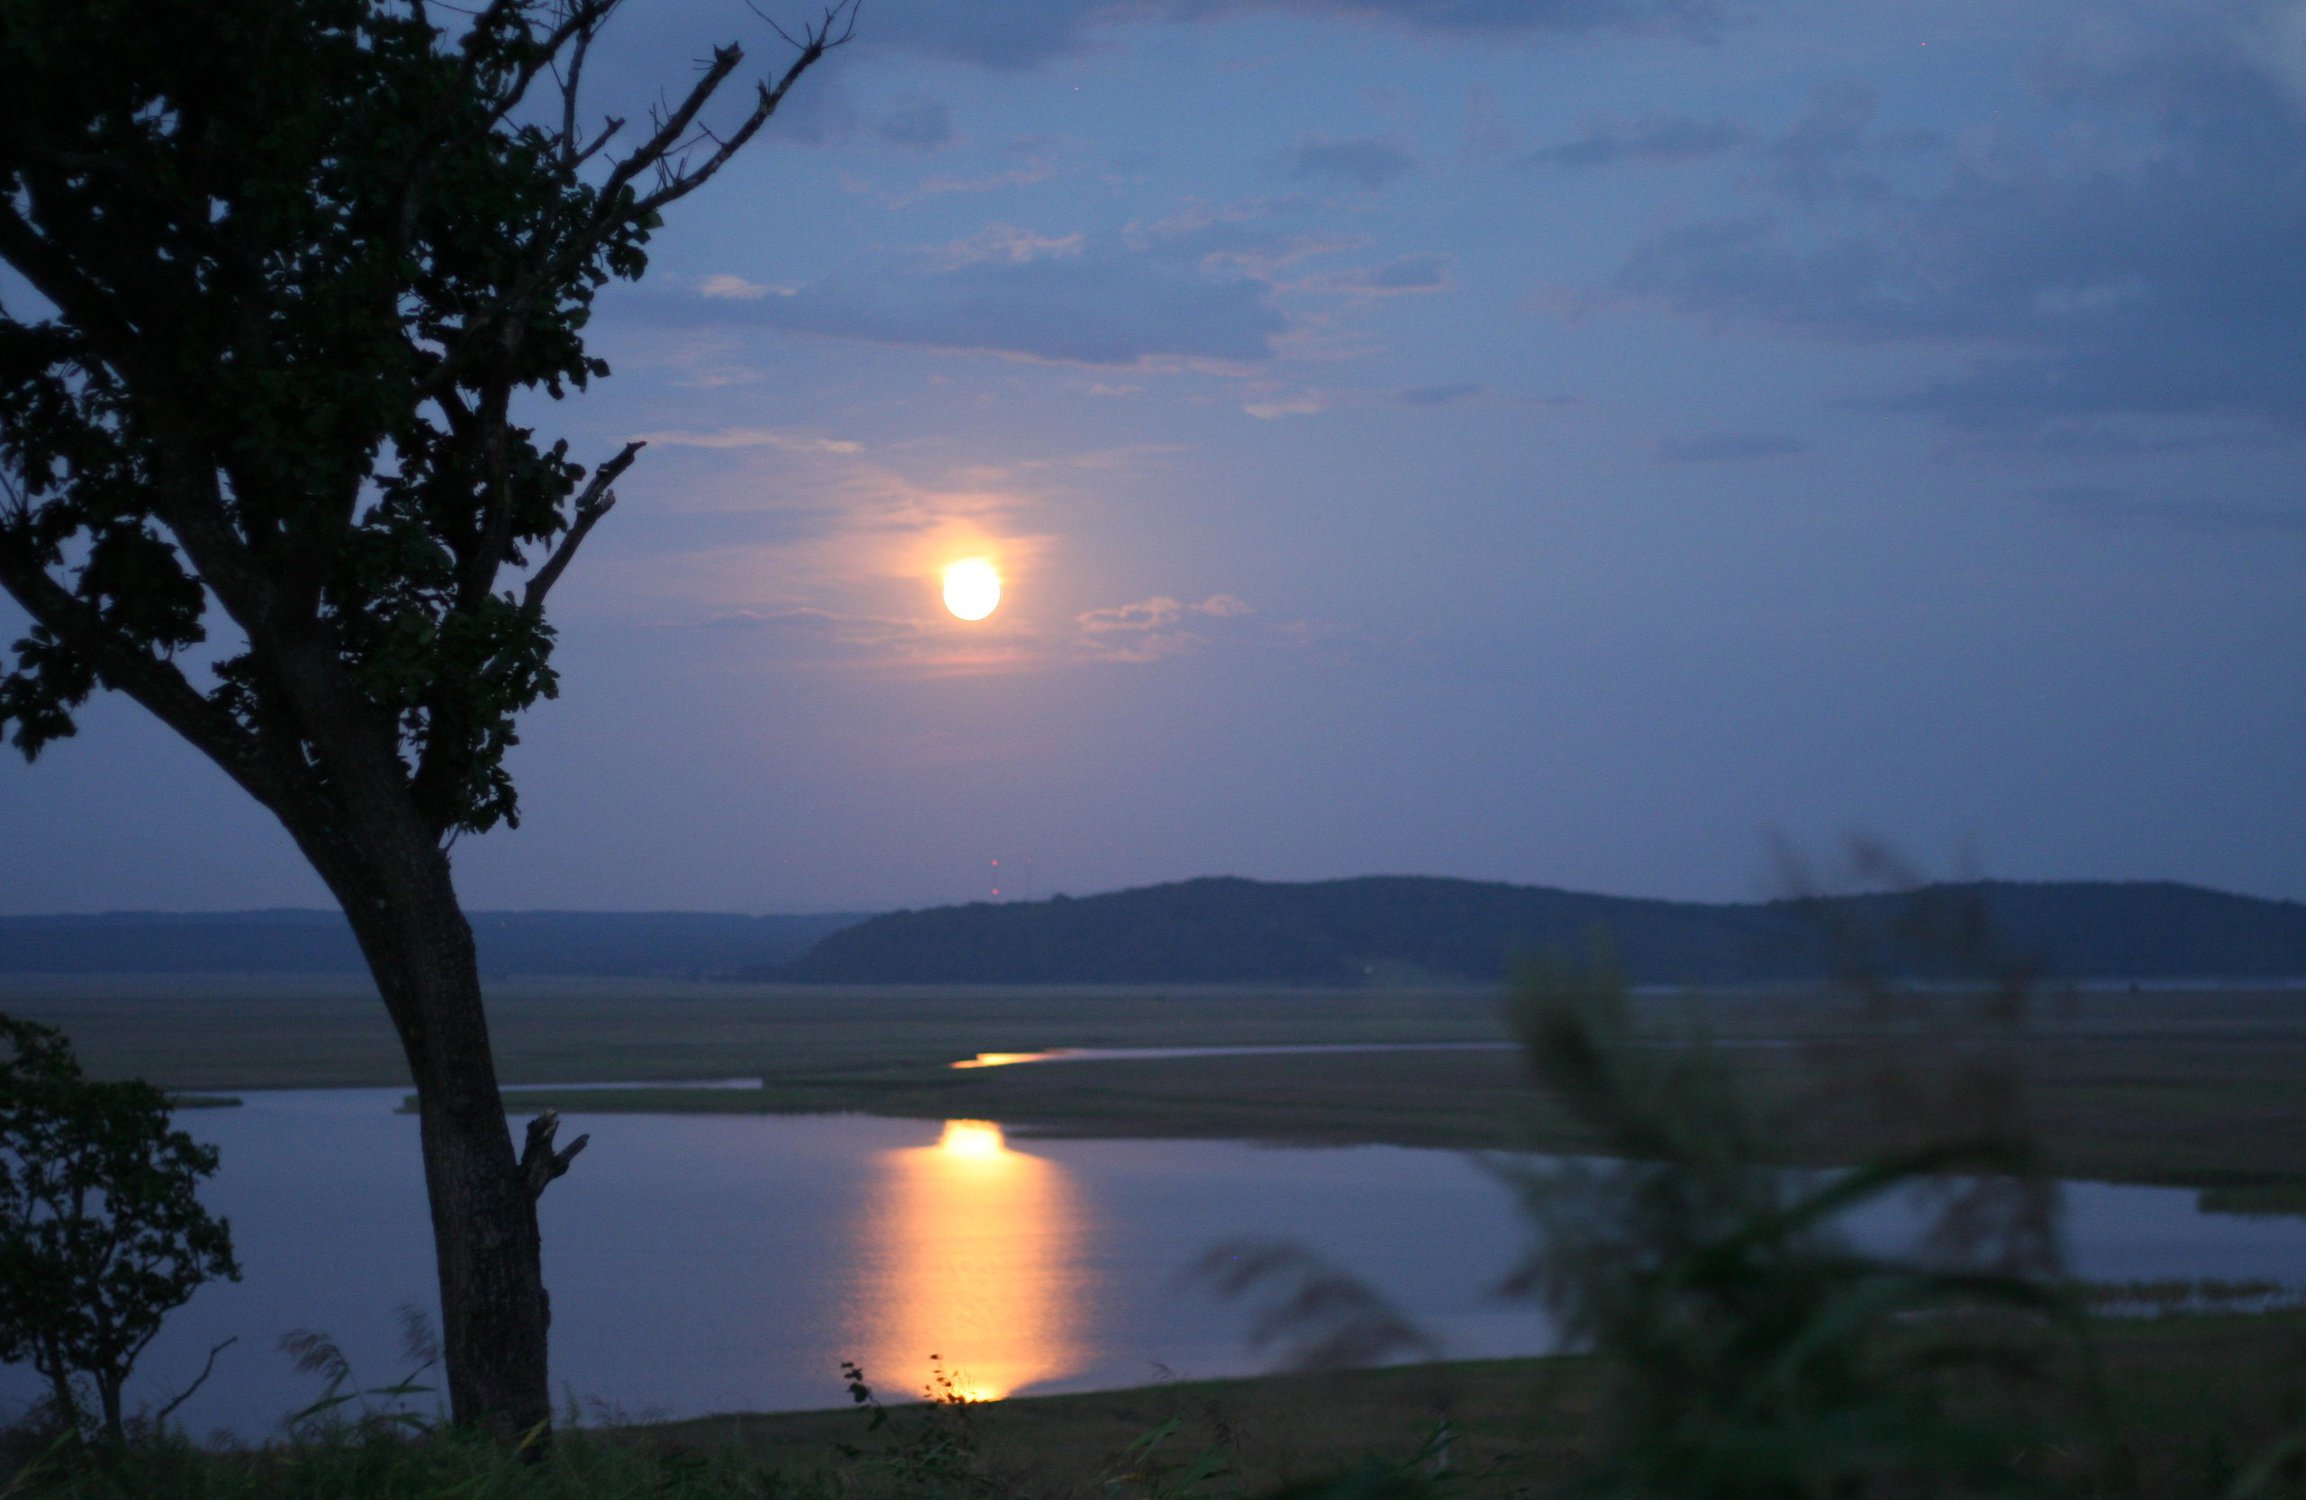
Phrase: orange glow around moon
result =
(972, 588)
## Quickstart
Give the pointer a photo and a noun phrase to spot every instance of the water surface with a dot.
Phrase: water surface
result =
(703, 1263)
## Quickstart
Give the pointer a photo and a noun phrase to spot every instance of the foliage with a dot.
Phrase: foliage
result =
(291, 261)
(931, 1451)
(344, 1400)
(1748, 1344)
(101, 1231)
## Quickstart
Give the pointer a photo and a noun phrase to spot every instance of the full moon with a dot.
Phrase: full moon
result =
(972, 588)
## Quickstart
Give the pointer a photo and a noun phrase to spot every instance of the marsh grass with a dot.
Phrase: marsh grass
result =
(354, 1461)
(1745, 1345)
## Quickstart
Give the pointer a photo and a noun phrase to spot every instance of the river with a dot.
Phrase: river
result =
(703, 1263)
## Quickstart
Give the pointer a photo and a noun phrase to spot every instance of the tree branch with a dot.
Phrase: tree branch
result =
(156, 684)
(835, 29)
(814, 43)
(163, 1414)
(593, 503)
(539, 1163)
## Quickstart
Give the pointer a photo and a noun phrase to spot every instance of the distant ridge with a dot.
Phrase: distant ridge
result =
(1381, 929)
(292, 941)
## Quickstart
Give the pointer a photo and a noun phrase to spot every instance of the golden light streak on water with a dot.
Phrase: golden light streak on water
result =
(1001, 1059)
(981, 1248)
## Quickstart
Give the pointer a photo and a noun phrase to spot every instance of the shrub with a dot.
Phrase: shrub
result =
(101, 1232)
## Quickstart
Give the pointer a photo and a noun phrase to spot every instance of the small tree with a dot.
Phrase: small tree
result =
(101, 1234)
(291, 264)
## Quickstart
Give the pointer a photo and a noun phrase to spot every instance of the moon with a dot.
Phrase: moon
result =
(972, 588)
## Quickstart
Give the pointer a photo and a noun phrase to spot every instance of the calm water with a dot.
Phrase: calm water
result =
(714, 1263)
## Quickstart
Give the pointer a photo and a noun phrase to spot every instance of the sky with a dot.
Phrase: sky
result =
(1574, 442)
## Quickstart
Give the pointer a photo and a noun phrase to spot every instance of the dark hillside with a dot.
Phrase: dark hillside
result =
(318, 942)
(1385, 928)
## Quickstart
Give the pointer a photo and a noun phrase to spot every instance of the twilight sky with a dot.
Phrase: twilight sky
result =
(1564, 441)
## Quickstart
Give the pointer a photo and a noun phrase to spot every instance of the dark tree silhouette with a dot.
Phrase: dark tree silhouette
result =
(101, 1229)
(284, 266)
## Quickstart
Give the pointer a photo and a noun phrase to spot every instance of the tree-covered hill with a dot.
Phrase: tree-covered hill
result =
(1388, 928)
(292, 941)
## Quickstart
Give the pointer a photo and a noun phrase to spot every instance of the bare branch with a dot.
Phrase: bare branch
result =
(672, 126)
(837, 27)
(594, 502)
(539, 1162)
(569, 90)
(609, 127)
(583, 16)
(163, 1414)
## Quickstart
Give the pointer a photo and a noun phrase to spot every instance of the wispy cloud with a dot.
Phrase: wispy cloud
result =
(1364, 161)
(1650, 140)
(2200, 513)
(1405, 274)
(1729, 447)
(2143, 265)
(1026, 36)
(732, 288)
(750, 437)
(1153, 629)
(1007, 244)
(1438, 395)
(1055, 298)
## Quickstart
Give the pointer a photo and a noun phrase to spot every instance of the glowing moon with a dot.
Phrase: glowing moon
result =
(972, 588)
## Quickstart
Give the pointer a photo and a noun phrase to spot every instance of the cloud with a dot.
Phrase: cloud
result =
(1825, 152)
(2140, 265)
(1651, 140)
(1307, 404)
(1407, 273)
(737, 289)
(1020, 34)
(991, 182)
(750, 437)
(887, 643)
(1437, 395)
(1365, 162)
(1083, 306)
(1005, 243)
(1729, 447)
(917, 124)
(2189, 513)
(1152, 629)
(1235, 236)
(819, 625)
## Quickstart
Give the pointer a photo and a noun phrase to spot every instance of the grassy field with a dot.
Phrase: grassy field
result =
(2198, 1087)
(2193, 1400)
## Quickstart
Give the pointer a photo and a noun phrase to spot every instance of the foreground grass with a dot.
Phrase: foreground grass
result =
(2194, 1398)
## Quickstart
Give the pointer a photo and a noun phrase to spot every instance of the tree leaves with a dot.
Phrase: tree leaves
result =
(101, 1231)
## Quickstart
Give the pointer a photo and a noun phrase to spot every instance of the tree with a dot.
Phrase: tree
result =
(289, 263)
(101, 1231)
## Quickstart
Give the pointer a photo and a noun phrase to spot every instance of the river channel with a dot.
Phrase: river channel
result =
(705, 1263)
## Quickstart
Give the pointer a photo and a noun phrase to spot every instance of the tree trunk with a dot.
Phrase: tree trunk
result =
(403, 908)
(50, 1363)
(108, 1394)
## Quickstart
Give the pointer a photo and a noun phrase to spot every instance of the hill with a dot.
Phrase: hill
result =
(1385, 928)
(673, 943)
